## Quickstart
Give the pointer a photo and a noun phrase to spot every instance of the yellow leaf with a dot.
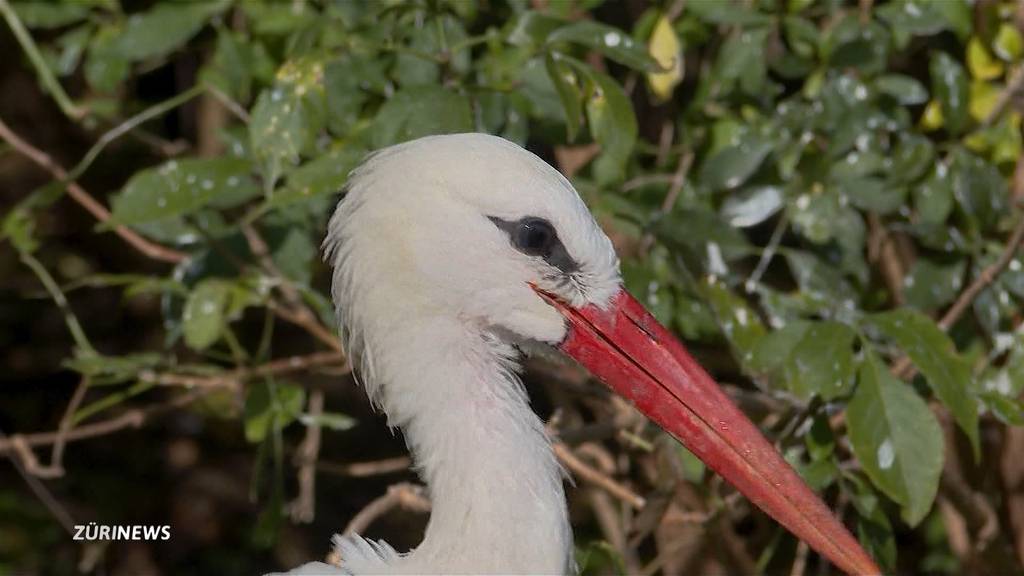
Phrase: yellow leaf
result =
(932, 118)
(983, 99)
(1008, 44)
(665, 47)
(981, 63)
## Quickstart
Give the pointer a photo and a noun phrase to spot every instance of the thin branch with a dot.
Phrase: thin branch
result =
(77, 332)
(1013, 87)
(78, 194)
(303, 508)
(597, 478)
(66, 423)
(367, 469)
(902, 367)
(42, 492)
(127, 126)
(404, 496)
(133, 418)
(197, 386)
(678, 181)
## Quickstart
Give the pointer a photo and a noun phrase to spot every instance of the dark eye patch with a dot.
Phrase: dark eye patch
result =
(537, 237)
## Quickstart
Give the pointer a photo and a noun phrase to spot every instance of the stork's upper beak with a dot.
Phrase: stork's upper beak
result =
(626, 348)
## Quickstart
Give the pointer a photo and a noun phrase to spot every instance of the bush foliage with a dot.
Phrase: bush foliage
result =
(828, 191)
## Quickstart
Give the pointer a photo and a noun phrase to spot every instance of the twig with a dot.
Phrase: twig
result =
(800, 561)
(66, 423)
(228, 103)
(768, 253)
(902, 367)
(74, 327)
(42, 493)
(78, 194)
(198, 385)
(592, 475)
(69, 108)
(306, 320)
(133, 418)
(678, 180)
(127, 126)
(367, 469)
(404, 496)
(1013, 87)
(303, 508)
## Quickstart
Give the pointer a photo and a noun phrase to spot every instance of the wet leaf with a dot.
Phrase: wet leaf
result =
(752, 206)
(770, 353)
(613, 124)
(904, 89)
(821, 364)
(930, 285)
(933, 198)
(163, 28)
(182, 187)
(568, 86)
(607, 40)
(896, 439)
(204, 316)
(935, 356)
(421, 111)
(734, 164)
(949, 85)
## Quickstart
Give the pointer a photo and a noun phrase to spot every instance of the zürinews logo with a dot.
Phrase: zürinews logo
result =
(94, 532)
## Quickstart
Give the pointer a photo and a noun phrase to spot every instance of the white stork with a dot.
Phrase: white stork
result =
(447, 252)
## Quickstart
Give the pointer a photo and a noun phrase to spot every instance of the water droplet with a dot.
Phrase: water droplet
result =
(612, 39)
(886, 455)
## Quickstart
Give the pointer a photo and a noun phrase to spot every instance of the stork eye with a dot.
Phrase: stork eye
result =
(535, 237)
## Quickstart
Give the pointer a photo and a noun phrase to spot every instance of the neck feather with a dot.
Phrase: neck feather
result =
(495, 486)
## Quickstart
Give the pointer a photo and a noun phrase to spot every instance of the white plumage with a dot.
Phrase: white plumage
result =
(430, 296)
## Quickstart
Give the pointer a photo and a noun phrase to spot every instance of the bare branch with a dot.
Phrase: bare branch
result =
(78, 194)
(303, 508)
(404, 496)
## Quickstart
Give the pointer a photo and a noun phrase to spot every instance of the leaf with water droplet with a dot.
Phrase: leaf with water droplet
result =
(821, 364)
(734, 164)
(180, 187)
(936, 357)
(607, 40)
(896, 438)
(949, 85)
(204, 314)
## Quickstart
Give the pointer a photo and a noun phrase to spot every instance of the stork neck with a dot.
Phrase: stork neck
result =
(495, 486)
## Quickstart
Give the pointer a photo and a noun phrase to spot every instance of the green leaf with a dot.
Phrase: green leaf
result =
(567, 84)
(933, 198)
(979, 188)
(613, 124)
(164, 28)
(820, 280)
(37, 14)
(204, 315)
(421, 111)
(287, 117)
(930, 284)
(181, 187)
(323, 175)
(821, 364)
(904, 89)
(734, 164)
(740, 324)
(752, 206)
(271, 407)
(950, 87)
(896, 438)
(913, 157)
(770, 353)
(873, 194)
(741, 61)
(935, 356)
(532, 28)
(607, 40)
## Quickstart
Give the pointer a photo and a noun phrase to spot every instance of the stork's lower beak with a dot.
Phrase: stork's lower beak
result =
(627, 349)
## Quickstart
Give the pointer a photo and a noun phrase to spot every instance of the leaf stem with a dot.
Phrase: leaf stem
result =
(69, 108)
(62, 302)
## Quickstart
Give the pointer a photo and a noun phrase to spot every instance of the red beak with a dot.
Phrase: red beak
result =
(627, 349)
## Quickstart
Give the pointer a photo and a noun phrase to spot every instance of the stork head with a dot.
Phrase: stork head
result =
(473, 232)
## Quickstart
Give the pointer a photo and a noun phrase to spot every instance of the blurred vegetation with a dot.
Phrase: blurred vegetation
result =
(823, 197)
